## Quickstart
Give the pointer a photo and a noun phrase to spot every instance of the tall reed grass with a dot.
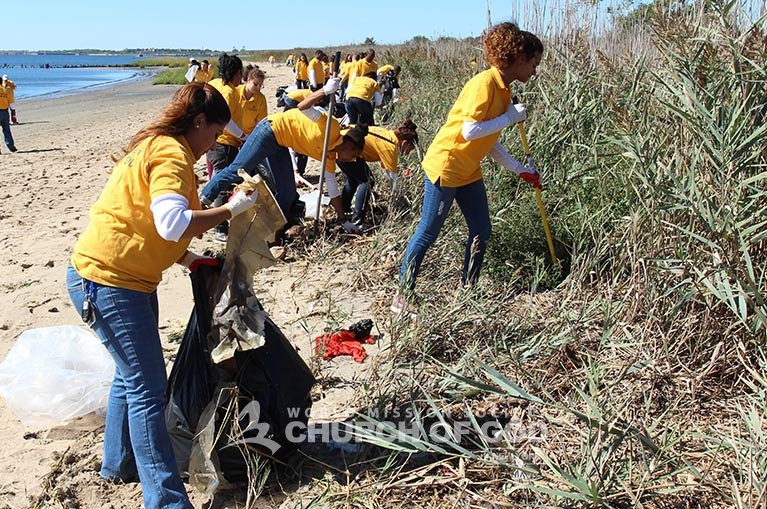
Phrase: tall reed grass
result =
(644, 354)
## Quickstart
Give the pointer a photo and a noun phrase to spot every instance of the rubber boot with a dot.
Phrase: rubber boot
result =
(13, 118)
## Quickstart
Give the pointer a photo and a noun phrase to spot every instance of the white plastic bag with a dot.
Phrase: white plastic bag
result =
(310, 199)
(54, 374)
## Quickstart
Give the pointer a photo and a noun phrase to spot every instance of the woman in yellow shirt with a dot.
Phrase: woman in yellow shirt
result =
(471, 132)
(252, 100)
(302, 72)
(141, 224)
(383, 146)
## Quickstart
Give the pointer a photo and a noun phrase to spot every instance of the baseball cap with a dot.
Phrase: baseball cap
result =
(5, 77)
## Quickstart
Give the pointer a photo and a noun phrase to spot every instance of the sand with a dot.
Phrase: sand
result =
(47, 187)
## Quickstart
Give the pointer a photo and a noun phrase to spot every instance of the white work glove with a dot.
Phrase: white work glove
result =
(241, 201)
(516, 113)
(350, 227)
(193, 261)
(332, 86)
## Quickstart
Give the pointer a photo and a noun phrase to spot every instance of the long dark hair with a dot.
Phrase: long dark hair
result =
(177, 118)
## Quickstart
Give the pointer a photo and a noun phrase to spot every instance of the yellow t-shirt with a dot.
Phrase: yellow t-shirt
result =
(253, 110)
(450, 157)
(9, 87)
(363, 88)
(232, 97)
(384, 69)
(294, 129)
(343, 70)
(362, 67)
(319, 72)
(302, 71)
(120, 247)
(299, 94)
(5, 102)
(203, 76)
(380, 150)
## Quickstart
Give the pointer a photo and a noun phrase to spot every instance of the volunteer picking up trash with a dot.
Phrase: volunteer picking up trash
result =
(142, 224)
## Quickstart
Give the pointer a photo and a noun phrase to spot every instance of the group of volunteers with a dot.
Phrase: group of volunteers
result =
(151, 208)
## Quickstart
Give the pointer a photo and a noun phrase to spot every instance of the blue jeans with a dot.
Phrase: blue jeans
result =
(278, 173)
(437, 200)
(5, 124)
(136, 439)
(358, 186)
(359, 110)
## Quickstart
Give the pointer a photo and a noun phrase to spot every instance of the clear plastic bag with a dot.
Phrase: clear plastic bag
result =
(55, 374)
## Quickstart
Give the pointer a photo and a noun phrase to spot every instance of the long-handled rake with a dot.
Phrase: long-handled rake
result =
(538, 197)
(325, 143)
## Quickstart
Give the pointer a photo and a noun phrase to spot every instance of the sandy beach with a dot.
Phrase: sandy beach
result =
(62, 164)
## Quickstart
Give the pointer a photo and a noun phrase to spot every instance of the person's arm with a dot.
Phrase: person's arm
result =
(501, 156)
(471, 130)
(175, 221)
(305, 106)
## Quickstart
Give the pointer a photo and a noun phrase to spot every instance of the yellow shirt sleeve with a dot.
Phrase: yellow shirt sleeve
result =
(120, 246)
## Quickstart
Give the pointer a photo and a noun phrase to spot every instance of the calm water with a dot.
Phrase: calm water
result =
(63, 73)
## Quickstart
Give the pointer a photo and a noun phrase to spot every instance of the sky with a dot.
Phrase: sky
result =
(259, 24)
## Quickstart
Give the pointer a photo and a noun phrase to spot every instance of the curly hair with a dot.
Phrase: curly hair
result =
(406, 132)
(506, 44)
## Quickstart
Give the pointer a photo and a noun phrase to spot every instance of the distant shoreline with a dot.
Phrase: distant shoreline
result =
(139, 76)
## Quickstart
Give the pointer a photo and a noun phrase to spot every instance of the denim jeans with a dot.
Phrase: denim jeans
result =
(437, 200)
(360, 111)
(5, 124)
(136, 439)
(278, 173)
(358, 186)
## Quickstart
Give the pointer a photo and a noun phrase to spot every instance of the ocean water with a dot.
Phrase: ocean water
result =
(44, 75)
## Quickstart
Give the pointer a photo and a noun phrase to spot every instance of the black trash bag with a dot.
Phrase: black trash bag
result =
(270, 384)
(193, 377)
(271, 376)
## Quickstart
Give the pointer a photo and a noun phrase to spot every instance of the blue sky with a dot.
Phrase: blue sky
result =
(260, 24)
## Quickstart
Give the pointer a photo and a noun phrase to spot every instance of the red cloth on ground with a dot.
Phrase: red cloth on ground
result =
(343, 342)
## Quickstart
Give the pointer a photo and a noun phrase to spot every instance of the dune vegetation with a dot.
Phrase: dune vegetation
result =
(632, 373)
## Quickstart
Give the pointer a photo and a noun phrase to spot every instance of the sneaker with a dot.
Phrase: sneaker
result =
(220, 236)
(13, 149)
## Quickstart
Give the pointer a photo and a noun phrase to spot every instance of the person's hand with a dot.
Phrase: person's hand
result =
(193, 261)
(241, 201)
(350, 227)
(531, 175)
(332, 86)
(516, 112)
